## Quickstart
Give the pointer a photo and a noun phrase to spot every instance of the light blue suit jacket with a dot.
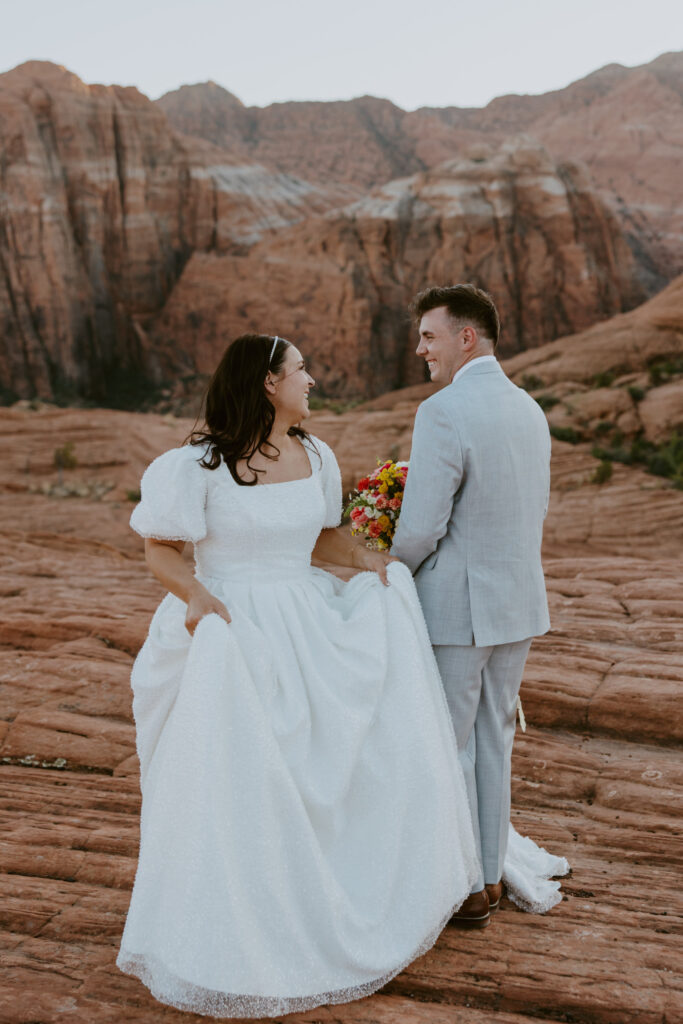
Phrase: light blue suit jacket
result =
(472, 517)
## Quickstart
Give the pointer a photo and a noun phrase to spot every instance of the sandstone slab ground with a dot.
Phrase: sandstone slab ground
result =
(596, 777)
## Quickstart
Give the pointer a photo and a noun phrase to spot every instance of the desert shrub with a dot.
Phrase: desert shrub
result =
(530, 382)
(602, 473)
(636, 393)
(615, 453)
(134, 495)
(662, 369)
(665, 459)
(314, 402)
(565, 434)
(64, 457)
(604, 427)
(604, 379)
(337, 406)
(547, 401)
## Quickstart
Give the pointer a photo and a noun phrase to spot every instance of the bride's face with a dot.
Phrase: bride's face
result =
(288, 390)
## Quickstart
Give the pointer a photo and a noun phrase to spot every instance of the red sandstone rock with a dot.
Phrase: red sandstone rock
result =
(626, 373)
(105, 204)
(102, 205)
(360, 142)
(339, 286)
(597, 775)
(624, 123)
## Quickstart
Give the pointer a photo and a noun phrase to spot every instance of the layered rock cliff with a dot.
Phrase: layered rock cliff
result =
(101, 205)
(534, 234)
(624, 123)
(131, 251)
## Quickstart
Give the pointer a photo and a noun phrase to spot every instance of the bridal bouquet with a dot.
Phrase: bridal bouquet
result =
(376, 505)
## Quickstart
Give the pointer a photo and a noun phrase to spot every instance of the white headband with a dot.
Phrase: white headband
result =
(273, 349)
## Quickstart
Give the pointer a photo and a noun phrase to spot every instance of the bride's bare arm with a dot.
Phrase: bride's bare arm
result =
(338, 547)
(165, 560)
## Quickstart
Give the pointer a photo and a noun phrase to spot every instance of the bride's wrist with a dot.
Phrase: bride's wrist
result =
(194, 589)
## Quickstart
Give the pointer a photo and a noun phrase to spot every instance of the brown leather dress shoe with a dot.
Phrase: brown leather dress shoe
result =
(495, 892)
(474, 913)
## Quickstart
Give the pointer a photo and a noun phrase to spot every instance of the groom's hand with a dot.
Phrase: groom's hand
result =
(368, 560)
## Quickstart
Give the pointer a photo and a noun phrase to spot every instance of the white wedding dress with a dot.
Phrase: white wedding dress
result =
(305, 832)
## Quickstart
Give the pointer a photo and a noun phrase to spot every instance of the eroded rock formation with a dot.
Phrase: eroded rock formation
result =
(131, 252)
(101, 205)
(596, 777)
(619, 379)
(624, 123)
(534, 234)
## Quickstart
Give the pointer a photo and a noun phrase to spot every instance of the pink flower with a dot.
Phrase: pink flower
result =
(374, 529)
(358, 516)
(395, 503)
(383, 502)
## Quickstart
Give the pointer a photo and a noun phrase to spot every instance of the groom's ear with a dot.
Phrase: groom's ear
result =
(469, 337)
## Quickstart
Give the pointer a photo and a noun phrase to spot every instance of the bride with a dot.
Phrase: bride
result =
(305, 832)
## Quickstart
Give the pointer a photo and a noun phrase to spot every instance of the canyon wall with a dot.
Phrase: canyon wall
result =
(101, 205)
(535, 234)
(625, 124)
(137, 238)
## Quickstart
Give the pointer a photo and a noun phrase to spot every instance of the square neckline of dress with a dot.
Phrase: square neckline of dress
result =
(281, 483)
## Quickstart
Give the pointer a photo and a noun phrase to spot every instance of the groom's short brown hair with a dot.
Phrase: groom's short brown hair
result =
(465, 304)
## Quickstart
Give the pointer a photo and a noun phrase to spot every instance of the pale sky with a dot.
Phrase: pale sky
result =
(419, 53)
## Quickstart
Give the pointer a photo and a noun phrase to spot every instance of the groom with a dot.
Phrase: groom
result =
(470, 530)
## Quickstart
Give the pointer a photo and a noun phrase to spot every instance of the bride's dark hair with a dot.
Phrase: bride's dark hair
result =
(238, 415)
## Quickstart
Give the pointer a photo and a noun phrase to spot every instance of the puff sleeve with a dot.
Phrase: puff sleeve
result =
(330, 479)
(173, 497)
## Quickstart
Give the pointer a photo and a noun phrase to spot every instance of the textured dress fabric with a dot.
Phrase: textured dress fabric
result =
(304, 830)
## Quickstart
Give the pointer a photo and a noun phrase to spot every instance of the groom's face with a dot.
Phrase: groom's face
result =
(440, 345)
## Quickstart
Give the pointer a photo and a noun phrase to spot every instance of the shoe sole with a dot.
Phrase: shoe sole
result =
(470, 923)
(493, 908)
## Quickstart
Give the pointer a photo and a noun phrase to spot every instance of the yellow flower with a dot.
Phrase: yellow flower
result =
(383, 488)
(384, 522)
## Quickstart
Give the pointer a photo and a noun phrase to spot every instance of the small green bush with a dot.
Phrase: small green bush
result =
(547, 401)
(636, 393)
(530, 382)
(134, 495)
(662, 369)
(603, 380)
(565, 434)
(337, 406)
(602, 473)
(604, 427)
(64, 457)
(665, 459)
